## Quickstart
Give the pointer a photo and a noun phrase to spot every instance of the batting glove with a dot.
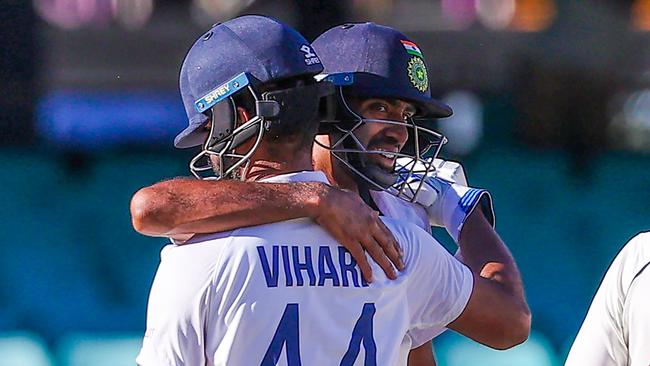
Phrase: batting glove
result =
(445, 195)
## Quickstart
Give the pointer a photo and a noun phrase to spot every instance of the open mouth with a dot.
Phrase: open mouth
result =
(385, 159)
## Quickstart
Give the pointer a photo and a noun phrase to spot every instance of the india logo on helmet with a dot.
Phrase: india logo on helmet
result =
(417, 72)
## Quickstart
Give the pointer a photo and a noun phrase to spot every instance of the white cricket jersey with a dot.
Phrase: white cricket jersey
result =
(288, 294)
(399, 209)
(616, 330)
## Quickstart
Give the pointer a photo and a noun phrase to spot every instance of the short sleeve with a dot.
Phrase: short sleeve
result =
(439, 286)
(420, 336)
(176, 311)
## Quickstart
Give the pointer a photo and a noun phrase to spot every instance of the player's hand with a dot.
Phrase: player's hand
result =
(447, 198)
(360, 230)
(455, 204)
(448, 170)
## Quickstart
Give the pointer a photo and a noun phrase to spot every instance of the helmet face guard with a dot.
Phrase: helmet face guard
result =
(275, 110)
(416, 157)
(218, 159)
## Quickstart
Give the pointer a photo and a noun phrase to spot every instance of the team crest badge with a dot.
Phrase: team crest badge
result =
(417, 72)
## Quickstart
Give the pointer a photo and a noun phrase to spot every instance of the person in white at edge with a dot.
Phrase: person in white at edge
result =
(616, 330)
(288, 293)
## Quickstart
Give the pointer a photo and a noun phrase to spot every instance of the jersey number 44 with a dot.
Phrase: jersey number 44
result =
(287, 334)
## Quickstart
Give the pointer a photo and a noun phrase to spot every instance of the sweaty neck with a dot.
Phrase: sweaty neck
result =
(337, 173)
(269, 161)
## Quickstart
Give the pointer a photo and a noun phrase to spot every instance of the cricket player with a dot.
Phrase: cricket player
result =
(187, 191)
(179, 208)
(616, 330)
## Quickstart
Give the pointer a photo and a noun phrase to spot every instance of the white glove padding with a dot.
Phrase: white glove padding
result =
(454, 204)
(450, 171)
(446, 199)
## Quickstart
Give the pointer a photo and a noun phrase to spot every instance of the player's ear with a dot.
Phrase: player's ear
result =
(242, 115)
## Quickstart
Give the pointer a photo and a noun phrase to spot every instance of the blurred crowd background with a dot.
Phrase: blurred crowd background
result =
(552, 115)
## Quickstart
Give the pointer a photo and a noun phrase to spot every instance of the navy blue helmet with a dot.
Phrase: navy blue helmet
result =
(385, 63)
(367, 60)
(252, 55)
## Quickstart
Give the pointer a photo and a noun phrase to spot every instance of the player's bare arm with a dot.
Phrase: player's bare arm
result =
(497, 314)
(182, 207)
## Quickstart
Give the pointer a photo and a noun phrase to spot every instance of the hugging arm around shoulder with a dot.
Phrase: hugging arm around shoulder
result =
(182, 206)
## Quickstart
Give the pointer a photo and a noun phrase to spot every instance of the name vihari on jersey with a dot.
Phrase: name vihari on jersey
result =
(309, 266)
